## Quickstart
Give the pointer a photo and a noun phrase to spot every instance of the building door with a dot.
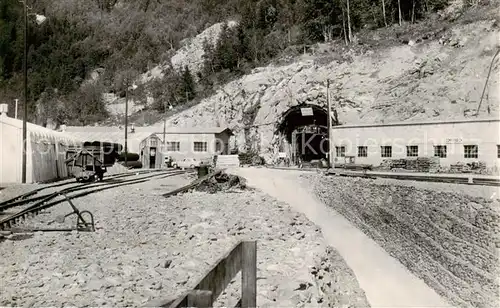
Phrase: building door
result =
(152, 158)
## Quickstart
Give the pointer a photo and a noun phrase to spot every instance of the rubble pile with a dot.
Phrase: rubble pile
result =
(220, 181)
(478, 167)
(448, 239)
(251, 159)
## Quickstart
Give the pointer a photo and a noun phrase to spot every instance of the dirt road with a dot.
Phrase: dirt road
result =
(386, 282)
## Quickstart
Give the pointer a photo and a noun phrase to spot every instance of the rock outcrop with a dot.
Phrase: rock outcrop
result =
(440, 78)
(191, 54)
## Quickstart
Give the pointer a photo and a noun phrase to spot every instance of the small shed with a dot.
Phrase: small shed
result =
(46, 150)
(151, 154)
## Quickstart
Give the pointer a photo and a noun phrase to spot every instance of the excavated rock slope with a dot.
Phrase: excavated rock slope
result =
(449, 238)
(440, 77)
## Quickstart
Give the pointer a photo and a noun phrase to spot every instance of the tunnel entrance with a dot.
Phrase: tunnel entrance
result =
(304, 132)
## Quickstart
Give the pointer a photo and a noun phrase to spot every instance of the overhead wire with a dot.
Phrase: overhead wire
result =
(486, 82)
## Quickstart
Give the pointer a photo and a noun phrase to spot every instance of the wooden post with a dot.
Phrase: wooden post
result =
(199, 298)
(329, 111)
(249, 275)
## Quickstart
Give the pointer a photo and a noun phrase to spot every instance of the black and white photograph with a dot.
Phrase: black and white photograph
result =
(250, 153)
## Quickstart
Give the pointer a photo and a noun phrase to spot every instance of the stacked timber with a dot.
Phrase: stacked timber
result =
(385, 164)
(398, 164)
(419, 164)
(458, 167)
(427, 164)
(411, 164)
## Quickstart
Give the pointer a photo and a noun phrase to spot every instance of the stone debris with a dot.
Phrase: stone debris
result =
(221, 182)
(450, 239)
(147, 247)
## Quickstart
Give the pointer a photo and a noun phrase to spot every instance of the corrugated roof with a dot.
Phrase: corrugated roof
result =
(39, 130)
(148, 129)
(115, 129)
(133, 140)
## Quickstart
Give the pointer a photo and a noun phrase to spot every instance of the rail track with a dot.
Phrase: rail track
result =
(72, 182)
(34, 205)
(437, 178)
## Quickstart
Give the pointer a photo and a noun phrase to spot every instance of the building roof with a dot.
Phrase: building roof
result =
(107, 129)
(133, 139)
(147, 129)
(38, 130)
(411, 123)
(193, 130)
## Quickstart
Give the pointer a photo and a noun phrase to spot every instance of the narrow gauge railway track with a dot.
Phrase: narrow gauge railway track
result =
(71, 182)
(23, 199)
(495, 182)
(43, 203)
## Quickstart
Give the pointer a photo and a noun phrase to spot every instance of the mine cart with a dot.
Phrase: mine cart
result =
(89, 162)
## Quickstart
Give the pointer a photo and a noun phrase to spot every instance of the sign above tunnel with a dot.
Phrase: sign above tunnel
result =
(306, 111)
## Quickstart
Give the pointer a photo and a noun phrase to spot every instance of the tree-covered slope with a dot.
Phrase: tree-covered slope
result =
(125, 38)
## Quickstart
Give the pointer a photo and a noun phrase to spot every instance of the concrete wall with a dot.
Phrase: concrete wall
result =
(187, 145)
(449, 239)
(454, 135)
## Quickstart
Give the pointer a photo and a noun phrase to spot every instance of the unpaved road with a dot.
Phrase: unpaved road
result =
(386, 282)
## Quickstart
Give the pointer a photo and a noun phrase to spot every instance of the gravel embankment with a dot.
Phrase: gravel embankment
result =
(447, 234)
(148, 247)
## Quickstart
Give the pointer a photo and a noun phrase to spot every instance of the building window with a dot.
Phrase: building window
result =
(173, 146)
(200, 146)
(386, 151)
(362, 151)
(153, 142)
(470, 151)
(498, 151)
(412, 151)
(440, 151)
(340, 151)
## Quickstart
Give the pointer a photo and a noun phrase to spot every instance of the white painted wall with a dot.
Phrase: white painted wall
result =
(187, 145)
(484, 133)
(39, 138)
(10, 153)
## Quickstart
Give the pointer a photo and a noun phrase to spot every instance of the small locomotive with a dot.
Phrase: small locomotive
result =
(89, 162)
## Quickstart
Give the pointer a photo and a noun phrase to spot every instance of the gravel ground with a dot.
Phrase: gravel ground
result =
(148, 247)
(446, 234)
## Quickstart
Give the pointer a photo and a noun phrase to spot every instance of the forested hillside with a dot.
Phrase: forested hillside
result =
(125, 38)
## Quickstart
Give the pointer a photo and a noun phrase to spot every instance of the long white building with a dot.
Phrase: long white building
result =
(464, 141)
(46, 151)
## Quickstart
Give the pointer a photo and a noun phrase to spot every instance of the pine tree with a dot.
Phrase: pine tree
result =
(188, 84)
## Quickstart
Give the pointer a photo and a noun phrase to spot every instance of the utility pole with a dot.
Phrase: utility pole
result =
(25, 72)
(164, 126)
(126, 119)
(329, 111)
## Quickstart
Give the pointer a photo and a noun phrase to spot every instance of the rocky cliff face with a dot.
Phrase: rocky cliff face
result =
(435, 76)
(190, 55)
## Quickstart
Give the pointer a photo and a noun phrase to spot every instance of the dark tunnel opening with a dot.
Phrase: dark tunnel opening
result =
(304, 130)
